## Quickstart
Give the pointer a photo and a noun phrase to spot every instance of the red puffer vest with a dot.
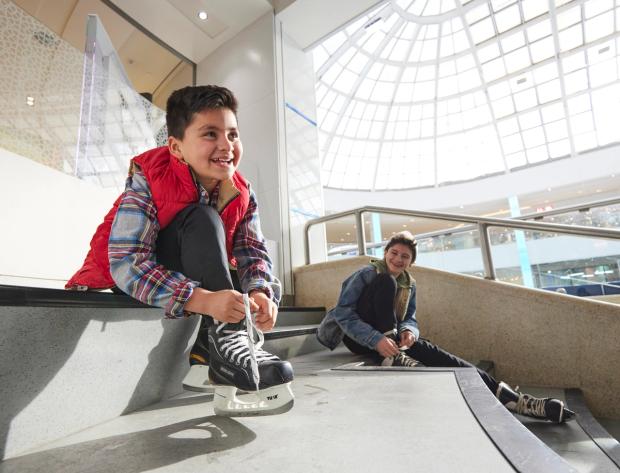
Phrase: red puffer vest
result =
(172, 188)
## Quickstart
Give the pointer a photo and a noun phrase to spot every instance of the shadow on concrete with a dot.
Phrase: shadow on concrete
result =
(31, 357)
(179, 402)
(36, 342)
(139, 451)
(167, 365)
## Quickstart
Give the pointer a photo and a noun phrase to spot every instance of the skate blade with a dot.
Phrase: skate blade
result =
(197, 379)
(271, 401)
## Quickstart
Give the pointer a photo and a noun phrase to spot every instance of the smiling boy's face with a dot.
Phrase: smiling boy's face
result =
(398, 258)
(210, 145)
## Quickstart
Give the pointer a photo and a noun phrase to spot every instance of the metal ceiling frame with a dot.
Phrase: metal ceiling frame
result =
(356, 40)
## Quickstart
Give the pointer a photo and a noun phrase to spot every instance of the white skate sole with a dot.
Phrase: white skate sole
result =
(275, 400)
(197, 379)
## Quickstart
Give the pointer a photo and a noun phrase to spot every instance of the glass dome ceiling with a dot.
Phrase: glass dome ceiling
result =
(422, 93)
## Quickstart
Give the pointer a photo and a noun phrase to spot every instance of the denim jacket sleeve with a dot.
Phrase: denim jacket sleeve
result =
(344, 319)
(410, 322)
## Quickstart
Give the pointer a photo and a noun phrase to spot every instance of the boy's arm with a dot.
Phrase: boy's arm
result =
(254, 265)
(131, 251)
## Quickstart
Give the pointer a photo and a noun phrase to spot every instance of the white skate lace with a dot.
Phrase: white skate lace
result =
(241, 346)
(402, 359)
(530, 405)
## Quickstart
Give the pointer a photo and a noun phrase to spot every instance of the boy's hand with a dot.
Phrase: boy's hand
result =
(225, 305)
(387, 347)
(407, 339)
(267, 313)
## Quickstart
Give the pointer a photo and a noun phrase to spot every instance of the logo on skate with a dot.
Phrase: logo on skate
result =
(272, 398)
(227, 371)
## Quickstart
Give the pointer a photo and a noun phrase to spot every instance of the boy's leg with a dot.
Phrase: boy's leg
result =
(376, 307)
(194, 244)
(431, 355)
(376, 304)
(546, 408)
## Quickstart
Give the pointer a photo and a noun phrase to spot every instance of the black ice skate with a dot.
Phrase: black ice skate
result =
(527, 405)
(237, 361)
(402, 359)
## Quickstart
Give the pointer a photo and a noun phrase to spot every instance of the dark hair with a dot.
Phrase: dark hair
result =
(404, 238)
(183, 103)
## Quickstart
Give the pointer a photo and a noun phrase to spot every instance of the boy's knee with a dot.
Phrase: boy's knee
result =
(202, 220)
(386, 280)
(202, 216)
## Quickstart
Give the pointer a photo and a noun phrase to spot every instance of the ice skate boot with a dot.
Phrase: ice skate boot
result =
(527, 405)
(402, 359)
(197, 378)
(237, 362)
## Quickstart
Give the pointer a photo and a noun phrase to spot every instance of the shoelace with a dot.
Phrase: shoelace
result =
(241, 346)
(531, 405)
(405, 360)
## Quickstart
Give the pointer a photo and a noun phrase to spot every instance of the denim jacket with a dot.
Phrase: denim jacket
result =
(343, 319)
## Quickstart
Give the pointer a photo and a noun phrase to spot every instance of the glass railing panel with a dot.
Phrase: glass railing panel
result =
(600, 217)
(457, 250)
(74, 111)
(116, 122)
(438, 241)
(576, 265)
(340, 237)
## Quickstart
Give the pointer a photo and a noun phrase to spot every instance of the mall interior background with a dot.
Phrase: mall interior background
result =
(331, 118)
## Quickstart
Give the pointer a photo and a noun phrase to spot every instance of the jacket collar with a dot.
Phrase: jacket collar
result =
(404, 279)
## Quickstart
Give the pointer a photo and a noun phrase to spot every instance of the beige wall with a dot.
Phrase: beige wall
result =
(535, 338)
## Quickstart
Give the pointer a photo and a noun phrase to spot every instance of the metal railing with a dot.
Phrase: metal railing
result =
(531, 216)
(572, 208)
(482, 224)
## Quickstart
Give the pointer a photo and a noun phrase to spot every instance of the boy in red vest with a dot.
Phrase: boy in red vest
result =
(187, 214)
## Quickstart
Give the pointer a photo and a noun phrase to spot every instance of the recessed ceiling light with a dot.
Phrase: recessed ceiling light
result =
(203, 15)
(30, 101)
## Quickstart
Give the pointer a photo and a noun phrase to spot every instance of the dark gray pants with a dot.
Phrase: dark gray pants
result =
(194, 244)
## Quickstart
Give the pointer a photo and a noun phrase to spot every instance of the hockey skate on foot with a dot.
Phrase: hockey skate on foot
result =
(402, 359)
(237, 361)
(527, 405)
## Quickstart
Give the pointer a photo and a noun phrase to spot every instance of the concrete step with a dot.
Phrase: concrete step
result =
(288, 316)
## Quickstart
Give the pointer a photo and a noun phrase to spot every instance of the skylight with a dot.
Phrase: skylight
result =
(426, 92)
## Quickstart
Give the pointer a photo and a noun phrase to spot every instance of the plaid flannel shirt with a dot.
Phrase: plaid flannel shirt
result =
(131, 251)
